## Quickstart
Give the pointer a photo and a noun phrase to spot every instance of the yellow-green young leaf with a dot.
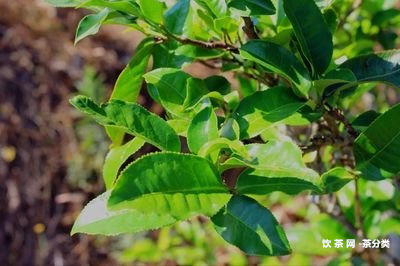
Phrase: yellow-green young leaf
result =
(182, 185)
(116, 157)
(275, 166)
(202, 129)
(280, 60)
(176, 16)
(377, 149)
(125, 6)
(129, 83)
(152, 10)
(133, 119)
(312, 33)
(251, 227)
(334, 179)
(382, 66)
(262, 109)
(90, 25)
(171, 87)
(97, 218)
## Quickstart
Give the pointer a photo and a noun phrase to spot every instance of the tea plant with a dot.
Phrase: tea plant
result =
(218, 145)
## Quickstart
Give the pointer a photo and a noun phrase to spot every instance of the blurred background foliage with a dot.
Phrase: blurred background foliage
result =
(51, 157)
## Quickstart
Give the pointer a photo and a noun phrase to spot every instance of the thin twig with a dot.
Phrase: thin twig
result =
(338, 115)
(249, 29)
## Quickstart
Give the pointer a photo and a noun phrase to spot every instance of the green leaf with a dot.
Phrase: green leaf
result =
(251, 227)
(312, 33)
(223, 143)
(218, 8)
(96, 218)
(263, 109)
(125, 6)
(152, 9)
(90, 25)
(379, 145)
(129, 82)
(171, 87)
(230, 129)
(133, 119)
(116, 157)
(275, 166)
(202, 129)
(334, 179)
(196, 90)
(362, 122)
(175, 17)
(383, 67)
(256, 7)
(279, 60)
(197, 52)
(182, 185)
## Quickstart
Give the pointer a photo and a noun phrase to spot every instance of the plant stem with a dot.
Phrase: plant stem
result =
(249, 29)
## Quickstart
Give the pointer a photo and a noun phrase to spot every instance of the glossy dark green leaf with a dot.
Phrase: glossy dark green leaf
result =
(164, 56)
(116, 157)
(218, 83)
(275, 166)
(133, 119)
(97, 218)
(312, 33)
(182, 185)
(265, 108)
(90, 25)
(379, 145)
(202, 129)
(334, 179)
(230, 129)
(256, 7)
(280, 60)
(251, 227)
(196, 90)
(383, 67)
(331, 19)
(176, 16)
(364, 120)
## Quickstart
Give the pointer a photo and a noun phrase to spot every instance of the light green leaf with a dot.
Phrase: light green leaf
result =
(251, 227)
(230, 129)
(196, 90)
(383, 67)
(263, 109)
(175, 17)
(202, 129)
(129, 82)
(276, 166)
(223, 143)
(312, 33)
(116, 157)
(334, 179)
(279, 60)
(379, 145)
(218, 8)
(182, 185)
(171, 87)
(133, 119)
(198, 52)
(96, 218)
(90, 25)
(152, 10)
